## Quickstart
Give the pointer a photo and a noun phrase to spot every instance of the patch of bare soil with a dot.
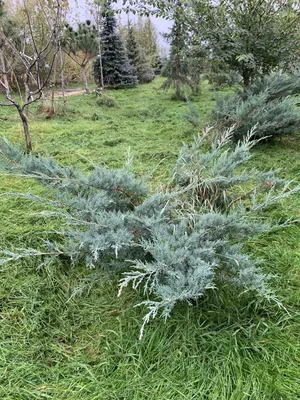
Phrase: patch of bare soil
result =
(70, 92)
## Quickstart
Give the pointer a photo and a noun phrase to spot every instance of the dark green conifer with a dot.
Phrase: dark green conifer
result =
(137, 58)
(117, 71)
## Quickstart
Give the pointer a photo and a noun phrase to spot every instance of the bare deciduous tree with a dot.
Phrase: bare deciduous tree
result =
(36, 55)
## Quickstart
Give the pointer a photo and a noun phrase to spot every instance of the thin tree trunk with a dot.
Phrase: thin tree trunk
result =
(53, 83)
(101, 67)
(21, 113)
(27, 98)
(84, 79)
(100, 50)
(246, 78)
(4, 73)
(62, 66)
(26, 131)
(39, 80)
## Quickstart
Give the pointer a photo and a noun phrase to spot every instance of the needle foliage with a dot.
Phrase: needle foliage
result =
(175, 244)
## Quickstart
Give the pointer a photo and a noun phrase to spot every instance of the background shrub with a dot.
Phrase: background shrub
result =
(103, 100)
(268, 103)
(222, 79)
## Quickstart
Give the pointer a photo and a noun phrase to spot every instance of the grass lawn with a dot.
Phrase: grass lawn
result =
(230, 347)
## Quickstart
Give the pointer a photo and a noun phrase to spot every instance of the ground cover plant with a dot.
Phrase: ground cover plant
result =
(57, 346)
(182, 242)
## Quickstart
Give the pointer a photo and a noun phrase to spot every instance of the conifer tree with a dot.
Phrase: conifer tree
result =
(137, 58)
(178, 66)
(197, 59)
(81, 45)
(117, 71)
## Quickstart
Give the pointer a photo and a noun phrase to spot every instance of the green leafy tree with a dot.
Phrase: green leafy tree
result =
(249, 36)
(142, 69)
(220, 76)
(117, 71)
(160, 8)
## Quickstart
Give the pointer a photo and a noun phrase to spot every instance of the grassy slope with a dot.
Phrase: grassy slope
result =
(88, 348)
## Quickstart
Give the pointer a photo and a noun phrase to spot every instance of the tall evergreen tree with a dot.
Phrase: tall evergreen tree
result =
(178, 65)
(117, 71)
(137, 58)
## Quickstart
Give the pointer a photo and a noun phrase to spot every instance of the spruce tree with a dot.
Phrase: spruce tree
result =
(137, 58)
(117, 71)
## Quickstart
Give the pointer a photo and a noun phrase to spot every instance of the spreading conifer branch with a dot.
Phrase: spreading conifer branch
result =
(183, 242)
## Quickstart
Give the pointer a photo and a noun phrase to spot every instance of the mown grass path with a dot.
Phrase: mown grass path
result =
(229, 347)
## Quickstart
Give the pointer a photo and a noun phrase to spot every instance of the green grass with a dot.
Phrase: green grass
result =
(146, 116)
(229, 347)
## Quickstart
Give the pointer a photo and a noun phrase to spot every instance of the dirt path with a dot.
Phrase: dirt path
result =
(70, 92)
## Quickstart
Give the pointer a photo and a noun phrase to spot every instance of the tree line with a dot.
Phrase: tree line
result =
(245, 37)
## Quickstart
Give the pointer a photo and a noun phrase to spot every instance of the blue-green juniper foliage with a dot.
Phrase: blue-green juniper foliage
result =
(270, 103)
(183, 240)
